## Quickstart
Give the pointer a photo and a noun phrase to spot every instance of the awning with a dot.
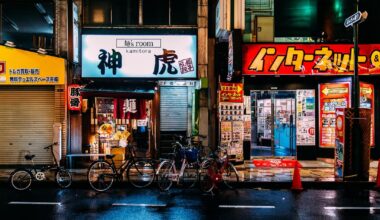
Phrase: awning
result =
(119, 90)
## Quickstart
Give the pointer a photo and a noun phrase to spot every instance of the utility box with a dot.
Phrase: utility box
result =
(352, 151)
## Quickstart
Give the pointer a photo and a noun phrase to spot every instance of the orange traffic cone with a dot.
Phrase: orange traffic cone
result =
(378, 176)
(296, 184)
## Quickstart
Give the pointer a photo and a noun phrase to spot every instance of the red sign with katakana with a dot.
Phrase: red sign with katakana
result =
(231, 92)
(309, 59)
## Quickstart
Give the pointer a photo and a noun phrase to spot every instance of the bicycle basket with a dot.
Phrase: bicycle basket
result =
(191, 154)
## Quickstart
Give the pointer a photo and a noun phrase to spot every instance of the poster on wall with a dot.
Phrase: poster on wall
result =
(339, 150)
(231, 111)
(367, 100)
(306, 117)
(247, 127)
(139, 56)
(236, 147)
(331, 97)
(225, 132)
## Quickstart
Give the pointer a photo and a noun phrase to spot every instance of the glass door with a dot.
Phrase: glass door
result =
(284, 123)
(273, 123)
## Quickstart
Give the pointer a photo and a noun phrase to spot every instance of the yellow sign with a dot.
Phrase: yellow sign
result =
(21, 67)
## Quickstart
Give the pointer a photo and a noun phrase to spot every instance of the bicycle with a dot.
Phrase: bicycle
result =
(217, 169)
(21, 178)
(167, 170)
(101, 173)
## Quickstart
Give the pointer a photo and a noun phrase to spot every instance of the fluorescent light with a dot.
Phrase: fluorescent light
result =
(9, 44)
(48, 19)
(41, 51)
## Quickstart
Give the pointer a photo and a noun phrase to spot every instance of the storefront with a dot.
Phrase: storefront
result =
(294, 90)
(32, 94)
(142, 88)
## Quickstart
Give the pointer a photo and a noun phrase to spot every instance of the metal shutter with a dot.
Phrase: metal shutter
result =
(26, 123)
(173, 109)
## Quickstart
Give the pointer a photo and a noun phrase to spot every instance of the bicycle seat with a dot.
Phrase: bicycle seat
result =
(29, 156)
(110, 156)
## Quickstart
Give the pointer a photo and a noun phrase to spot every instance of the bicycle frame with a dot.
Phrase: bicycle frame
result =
(175, 176)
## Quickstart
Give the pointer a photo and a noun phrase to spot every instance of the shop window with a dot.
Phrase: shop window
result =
(156, 12)
(114, 12)
(183, 12)
(140, 12)
(29, 25)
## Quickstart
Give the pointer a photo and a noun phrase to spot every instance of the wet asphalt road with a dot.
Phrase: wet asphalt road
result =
(47, 202)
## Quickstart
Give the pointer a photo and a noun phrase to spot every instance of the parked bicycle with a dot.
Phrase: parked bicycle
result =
(21, 178)
(216, 169)
(187, 175)
(140, 172)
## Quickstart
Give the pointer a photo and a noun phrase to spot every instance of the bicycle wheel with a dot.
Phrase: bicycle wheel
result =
(63, 178)
(205, 180)
(230, 175)
(101, 175)
(21, 179)
(165, 174)
(190, 175)
(141, 173)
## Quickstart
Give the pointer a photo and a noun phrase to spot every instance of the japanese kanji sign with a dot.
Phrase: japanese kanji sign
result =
(309, 59)
(21, 67)
(139, 56)
(231, 92)
(74, 97)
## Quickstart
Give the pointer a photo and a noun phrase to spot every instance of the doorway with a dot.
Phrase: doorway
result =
(273, 123)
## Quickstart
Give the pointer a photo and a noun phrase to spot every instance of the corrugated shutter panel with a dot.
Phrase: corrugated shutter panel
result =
(27, 117)
(173, 108)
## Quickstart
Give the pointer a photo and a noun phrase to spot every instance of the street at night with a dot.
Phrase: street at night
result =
(130, 203)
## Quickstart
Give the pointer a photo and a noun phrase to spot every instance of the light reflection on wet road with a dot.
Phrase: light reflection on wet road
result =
(131, 203)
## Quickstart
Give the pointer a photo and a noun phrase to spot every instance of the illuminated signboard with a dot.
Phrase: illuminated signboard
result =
(231, 92)
(331, 97)
(74, 97)
(367, 100)
(21, 67)
(309, 59)
(139, 56)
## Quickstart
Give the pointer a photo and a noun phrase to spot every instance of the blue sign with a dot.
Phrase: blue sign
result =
(139, 56)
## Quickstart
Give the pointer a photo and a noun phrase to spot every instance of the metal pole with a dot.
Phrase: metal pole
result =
(355, 82)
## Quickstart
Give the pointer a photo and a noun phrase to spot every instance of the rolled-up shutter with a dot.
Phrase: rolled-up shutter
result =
(26, 120)
(173, 108)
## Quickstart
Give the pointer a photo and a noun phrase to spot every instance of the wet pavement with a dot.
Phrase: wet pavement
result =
(311, 171)
(149, 203)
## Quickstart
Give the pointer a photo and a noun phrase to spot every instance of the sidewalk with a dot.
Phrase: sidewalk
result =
(313, 173)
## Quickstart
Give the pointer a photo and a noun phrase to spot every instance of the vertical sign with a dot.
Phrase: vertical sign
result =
(367, 98)
(75, 33)
(306, 117)
(340, 136)
(74, 98)
(331, 96)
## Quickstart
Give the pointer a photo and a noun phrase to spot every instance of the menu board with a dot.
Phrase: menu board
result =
(367, 97)
(247, 127)
(237, 139)
(229, 111)
(305, 117)
(225, 132)
(331, 96)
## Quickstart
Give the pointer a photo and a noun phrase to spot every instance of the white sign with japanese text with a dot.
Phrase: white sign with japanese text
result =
(139, 56)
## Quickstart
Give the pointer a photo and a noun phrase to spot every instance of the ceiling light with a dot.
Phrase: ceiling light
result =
(10, 44)
(41, 51)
